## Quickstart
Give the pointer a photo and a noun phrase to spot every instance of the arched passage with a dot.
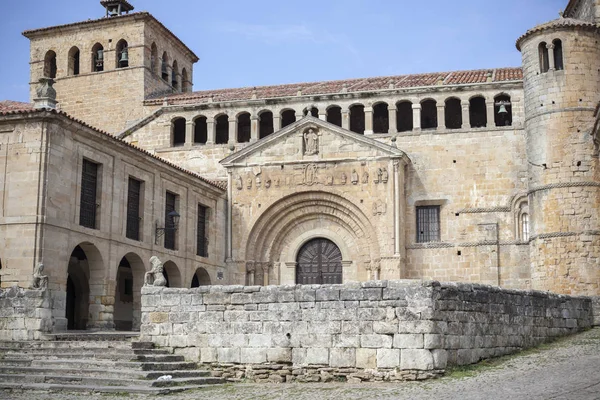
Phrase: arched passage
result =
(357, 118)
(200, 130)
(381, 122)
(85, 287)
(273, 239)
(288, 117)
(222, 129)
(334, 115)
(243, 127)
(178, 132)
(201, 278)
(265, 127)
(128, 302)
(172, 274)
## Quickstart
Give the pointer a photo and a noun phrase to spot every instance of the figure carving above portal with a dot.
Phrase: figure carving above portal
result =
(311, 142)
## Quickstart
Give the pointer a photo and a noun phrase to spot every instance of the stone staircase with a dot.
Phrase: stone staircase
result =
(96, 362)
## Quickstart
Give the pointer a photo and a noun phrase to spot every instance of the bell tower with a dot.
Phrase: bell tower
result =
(561, 92)
(105, 68)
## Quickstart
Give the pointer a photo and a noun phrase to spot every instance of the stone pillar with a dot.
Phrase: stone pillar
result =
(189, 133)
(323, 115)
(254, 124)
(228, 250)
(441, 115)
(346, 119)
(299, 115)
(392, 118)
(466, 120)
(416, 117)
(250, 270)
(276, 122)
(397, 200)
(551, 61)
(265, 268)
(368, 120)
(491, 120)
(232, 129)
(211, 132)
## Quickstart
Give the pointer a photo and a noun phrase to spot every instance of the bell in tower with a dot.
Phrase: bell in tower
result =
(115, 8)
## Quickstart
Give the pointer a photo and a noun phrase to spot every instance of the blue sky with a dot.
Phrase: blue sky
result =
(261, 42)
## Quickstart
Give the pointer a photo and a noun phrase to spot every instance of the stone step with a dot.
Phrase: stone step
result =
(82, 354)
(105, 381)
(66, 344)
(105, 373)
(135, 365)
(41, 352)
(97, 389)
(87, 336)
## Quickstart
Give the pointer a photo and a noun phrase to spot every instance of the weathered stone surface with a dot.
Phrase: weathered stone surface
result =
(388, 358)
(416, 359)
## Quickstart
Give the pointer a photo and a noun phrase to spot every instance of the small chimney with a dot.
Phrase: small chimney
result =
(46, 94)
(114, 8)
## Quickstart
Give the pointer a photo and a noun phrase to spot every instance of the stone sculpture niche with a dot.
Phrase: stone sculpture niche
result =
(155, 276)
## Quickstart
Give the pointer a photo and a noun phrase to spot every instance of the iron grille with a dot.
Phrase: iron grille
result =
(201, 239)
(428, 224)
(169, 224)
(89, 187)
(133, 209)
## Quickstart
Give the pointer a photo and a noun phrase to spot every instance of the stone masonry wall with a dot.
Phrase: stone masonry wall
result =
(24, 314)
(377, 330)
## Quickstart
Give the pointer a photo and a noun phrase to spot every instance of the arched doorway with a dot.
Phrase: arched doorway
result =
(128, 302)
(201, 278)
(172, 274)
(78, 290)
(319, 261)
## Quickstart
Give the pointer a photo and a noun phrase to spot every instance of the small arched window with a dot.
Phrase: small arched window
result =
(429, 114)
(334, 115)
(122, 54)
(558, 55)
(178, 131)
(478, 112)
(243, 127)
(74, 61)
(174, 77)
(97, 58)
(522, 221)
(185, 81)
(544, 60)
(200, 130)
(154, 59)
(265, 126)
(164, 67)
(50, 64)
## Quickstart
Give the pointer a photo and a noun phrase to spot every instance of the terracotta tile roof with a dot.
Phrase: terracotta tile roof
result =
(143, 15)
(9, 106)
(342, 86)
(17, 108)
(557, 23)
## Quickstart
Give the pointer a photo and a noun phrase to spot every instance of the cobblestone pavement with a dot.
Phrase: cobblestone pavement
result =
(567, 369)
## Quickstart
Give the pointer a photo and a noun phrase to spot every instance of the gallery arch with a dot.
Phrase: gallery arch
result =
(201, 278)
(84, 286)
(130, 279)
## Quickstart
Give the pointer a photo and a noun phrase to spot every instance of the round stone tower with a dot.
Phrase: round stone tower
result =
(561, 67)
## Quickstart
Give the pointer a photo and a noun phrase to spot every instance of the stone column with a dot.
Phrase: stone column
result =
(392, 119)
(441, 115)
(551, 61)
(416, 117)
(229, 227)
(299, 115)
(491, 120)
(250, 270)
(368, 120)
(265, 267)
(211, 132)
(346, 119)
(189, 133)
(466, 122)
(323, 115)
(397, 200)
(254, 124)
(232, 129)
(276, 122)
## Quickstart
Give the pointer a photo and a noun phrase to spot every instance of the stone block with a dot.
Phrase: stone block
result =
(178, 340)
(433, 341)
(388, 358)
(385, 327)
(408, 341)
(208, 355)
(342, 357)
(279, 355)
(298, 356)
(259, 340)
(319, 356)
(228, 355)
(440, 358)
(344, 340)
(241, 298)
(419, 359)
(253, 355)
(327, 294)
(376, 341)
(189, 353)
(366, 358)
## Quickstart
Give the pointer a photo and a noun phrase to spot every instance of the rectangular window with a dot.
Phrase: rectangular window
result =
(201, 238)
(170, 200)
(428, 224)
(89, 191)
(133, 209)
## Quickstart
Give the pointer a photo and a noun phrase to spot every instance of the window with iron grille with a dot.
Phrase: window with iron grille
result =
(201, 238)
(428, 224)
(170, 200)
(89, 190)
(133, 209)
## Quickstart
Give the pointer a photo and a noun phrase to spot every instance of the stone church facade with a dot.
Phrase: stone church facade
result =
(487, 176)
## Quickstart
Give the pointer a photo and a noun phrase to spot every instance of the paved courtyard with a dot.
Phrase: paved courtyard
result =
(567, 369)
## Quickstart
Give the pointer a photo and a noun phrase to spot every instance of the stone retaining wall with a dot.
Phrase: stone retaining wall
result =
(379, 330)
(24, 314)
